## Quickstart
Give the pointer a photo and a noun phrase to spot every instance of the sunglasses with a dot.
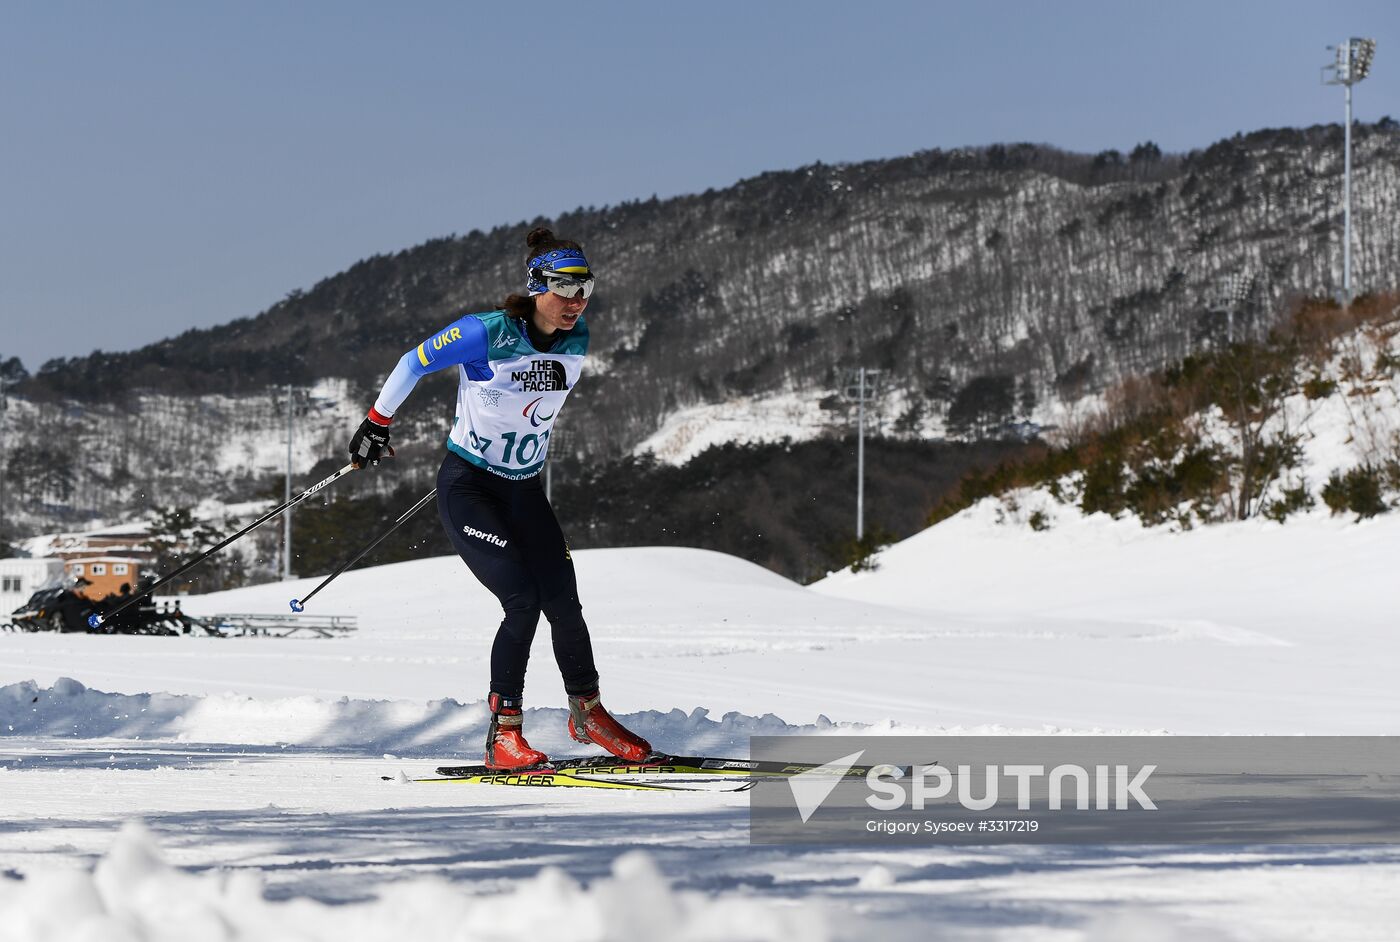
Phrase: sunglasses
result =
(566, 286)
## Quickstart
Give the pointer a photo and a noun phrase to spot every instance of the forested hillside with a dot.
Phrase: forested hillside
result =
(989, 285)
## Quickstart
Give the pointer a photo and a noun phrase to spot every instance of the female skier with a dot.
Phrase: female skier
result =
(515, 368)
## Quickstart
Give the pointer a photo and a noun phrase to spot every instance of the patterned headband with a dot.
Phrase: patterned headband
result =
(564, 261)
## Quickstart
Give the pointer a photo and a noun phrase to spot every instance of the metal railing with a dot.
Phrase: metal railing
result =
(281, 626)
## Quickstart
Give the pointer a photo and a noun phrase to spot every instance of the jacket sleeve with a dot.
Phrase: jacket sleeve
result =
(462, 343)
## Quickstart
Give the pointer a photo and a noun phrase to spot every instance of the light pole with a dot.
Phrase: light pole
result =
(559, 440)
(4, 416)
(860, 385)
(287, 516)
(1353, 64)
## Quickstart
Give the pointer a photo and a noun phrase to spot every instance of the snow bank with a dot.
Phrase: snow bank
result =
(134, 896)
(68, 709)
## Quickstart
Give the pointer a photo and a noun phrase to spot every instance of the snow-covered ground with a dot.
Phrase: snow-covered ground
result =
(744, 420)
(253, 765)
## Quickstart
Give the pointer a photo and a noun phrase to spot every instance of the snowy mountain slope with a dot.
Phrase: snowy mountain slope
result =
(174, 450)
(1314, 407)
(1049, 272)
(1342, 412)
(742, 420)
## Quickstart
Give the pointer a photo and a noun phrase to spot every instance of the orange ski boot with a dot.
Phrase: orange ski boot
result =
(506, 747)
(590, 722)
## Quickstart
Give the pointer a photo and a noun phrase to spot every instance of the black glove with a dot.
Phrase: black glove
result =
(368, 443)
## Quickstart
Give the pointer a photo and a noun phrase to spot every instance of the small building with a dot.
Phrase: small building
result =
(21, 578)
(105, 574)
(72, 546)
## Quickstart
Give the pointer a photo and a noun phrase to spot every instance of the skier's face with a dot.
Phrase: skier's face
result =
(554, 313)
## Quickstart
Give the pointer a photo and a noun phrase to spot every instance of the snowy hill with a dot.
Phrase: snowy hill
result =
(1243, 627)
(970, 625)
(1308, 417)
(254, 763)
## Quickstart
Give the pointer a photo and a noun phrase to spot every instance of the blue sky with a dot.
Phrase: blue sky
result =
(167, 165)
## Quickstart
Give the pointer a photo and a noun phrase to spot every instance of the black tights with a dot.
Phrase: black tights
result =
(508, 536)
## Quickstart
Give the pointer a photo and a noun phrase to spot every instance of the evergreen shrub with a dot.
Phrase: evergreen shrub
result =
(1359, 491)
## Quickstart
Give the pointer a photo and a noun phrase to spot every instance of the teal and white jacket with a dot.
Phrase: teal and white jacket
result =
(508, 393)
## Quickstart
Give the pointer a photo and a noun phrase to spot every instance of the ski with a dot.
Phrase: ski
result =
(544, 777)
(661, 765)
(659, 772)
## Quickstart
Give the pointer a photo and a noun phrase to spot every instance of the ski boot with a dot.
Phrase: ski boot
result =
(590, 722)
(506, 747)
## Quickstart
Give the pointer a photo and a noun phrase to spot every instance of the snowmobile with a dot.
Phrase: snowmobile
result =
(62, 609)
(54, 608)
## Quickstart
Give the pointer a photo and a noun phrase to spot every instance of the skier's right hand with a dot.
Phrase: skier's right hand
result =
(370, 442)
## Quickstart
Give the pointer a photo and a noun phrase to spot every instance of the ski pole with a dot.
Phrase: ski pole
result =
(299, 605)
(95, 620)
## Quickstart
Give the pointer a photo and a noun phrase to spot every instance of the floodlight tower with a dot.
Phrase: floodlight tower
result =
(1353, 64)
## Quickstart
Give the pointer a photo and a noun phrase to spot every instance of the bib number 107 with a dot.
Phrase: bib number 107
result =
(529, 446)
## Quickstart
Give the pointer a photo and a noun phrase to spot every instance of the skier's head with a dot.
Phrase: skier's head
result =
(558, 282)
(556, 265)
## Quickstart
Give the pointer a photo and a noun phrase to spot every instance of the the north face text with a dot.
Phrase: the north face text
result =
(542, 376)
